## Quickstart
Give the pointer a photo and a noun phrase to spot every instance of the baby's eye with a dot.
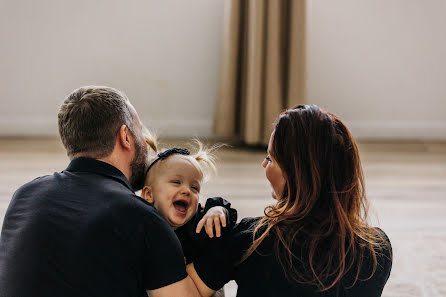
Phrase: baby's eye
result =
(268, 158)
(177, 182)
(196, 189)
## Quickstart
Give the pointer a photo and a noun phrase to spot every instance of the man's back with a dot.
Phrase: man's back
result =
(83, 232)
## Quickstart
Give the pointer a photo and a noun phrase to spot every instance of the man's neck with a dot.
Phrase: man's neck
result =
(112, 159)
(118, 163)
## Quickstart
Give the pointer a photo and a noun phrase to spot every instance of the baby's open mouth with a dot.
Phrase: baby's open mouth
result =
(181, 206)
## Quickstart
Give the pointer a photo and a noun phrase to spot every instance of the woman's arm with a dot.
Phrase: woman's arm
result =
(204, 290)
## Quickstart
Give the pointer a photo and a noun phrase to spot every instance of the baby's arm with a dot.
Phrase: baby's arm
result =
(214, 217)
(216, 213)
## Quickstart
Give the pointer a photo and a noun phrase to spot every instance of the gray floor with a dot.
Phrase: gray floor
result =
(406, 184)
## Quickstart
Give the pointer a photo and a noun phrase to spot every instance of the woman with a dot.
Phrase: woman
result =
(315, 240)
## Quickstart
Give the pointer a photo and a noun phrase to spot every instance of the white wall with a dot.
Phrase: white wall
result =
(163, 54)
(381, 65)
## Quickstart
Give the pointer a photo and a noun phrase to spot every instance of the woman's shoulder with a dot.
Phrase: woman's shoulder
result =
(385, 252)
(382, 251)
(375, 270)
(374, 242)
(383, 243)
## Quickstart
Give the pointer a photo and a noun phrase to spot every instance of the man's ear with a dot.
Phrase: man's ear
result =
(146, 194)
(124, 137)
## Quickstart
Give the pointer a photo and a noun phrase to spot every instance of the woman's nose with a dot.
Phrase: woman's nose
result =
(264, 163)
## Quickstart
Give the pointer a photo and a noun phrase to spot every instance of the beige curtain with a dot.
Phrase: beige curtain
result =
(262, 69)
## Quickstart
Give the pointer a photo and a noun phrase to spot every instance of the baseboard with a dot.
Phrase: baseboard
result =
(398, 130)
(36, 127)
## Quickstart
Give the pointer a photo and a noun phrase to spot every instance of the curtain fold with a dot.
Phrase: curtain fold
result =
(262, 68)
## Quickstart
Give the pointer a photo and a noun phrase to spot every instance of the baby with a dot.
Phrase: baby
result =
(173, 183)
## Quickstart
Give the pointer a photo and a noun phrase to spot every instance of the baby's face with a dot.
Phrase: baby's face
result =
(173, 186)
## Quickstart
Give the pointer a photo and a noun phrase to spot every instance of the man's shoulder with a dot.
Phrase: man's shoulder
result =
(110, 197)
(39, 179)
(126, 200)
(149, 213)
(44, 180)
(134, 208)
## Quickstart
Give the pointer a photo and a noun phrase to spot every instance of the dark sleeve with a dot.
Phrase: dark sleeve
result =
(217, 264)
(231, 213)
(194, 244)
(164, 263)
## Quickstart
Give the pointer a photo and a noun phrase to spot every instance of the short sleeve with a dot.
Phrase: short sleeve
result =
(164, 264)
(217, 265)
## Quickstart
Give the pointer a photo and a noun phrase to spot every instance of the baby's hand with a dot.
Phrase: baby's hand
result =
(214, 217)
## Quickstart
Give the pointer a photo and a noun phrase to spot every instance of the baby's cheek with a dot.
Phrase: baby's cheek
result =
(194, 209)
(163, 209)
(194, 204)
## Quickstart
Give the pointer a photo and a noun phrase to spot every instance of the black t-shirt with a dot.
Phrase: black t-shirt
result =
(262, 275)
(84, 232)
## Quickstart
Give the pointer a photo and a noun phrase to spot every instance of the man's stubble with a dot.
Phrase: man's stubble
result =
(138, 165)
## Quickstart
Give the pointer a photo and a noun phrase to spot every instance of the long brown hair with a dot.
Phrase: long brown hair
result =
(323, 207)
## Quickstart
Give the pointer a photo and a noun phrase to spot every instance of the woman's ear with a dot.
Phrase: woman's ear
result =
(146, 194)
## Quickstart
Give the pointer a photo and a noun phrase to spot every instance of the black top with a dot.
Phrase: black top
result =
(84, 232)
(262, 275)
(194, 244)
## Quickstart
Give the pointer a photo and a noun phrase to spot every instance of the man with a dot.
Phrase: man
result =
(83, 231)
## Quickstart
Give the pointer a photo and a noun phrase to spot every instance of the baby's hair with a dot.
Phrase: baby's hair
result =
(204, 156)
(151, 140)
